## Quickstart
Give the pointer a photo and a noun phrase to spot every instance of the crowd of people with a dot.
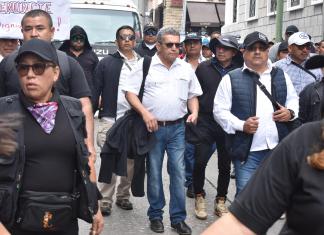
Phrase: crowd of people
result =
(205, 94)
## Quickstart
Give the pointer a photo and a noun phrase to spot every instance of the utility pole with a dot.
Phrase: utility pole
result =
(279, 17)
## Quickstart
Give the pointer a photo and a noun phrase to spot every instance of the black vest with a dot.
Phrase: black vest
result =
(244, 106)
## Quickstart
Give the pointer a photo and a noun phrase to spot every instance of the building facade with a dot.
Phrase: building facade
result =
(245, 16)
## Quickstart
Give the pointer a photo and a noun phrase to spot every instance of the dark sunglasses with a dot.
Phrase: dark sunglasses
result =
(171, 44)
(38, 68)
(127, 37)
(150, 32)
(255, 48)
(302, 47)
(77, 38)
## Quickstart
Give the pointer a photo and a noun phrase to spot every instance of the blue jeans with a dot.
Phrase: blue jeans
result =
(243, 172)
(171, 139)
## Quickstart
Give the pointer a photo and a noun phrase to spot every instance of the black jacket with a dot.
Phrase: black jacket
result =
(12, 167)
(106, 82)
(87, 59)
(143, 50)
(311, 102)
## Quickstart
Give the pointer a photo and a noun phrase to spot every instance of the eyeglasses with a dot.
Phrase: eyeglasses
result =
(259, 47)
(302, 47)
(171, 44)
(150, 32)
(77, 38)
(38, 68)
(126, 37)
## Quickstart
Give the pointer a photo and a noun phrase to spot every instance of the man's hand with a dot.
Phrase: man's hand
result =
(150, 121)
(251, 125)
(97, 224)
(282, 114)
(92, 152)
(192, 118)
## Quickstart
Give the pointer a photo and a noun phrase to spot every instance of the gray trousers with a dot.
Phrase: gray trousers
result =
(108, 190)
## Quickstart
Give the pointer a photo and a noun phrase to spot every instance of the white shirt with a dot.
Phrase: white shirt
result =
(1, 57)
(150, 46)
(166, 90)
(266, 136)
(122, 103)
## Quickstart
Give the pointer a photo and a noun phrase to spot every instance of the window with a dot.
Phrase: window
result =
(314, 2)
(295, 5)
(271, 7)
(234, 11)
(252, 8)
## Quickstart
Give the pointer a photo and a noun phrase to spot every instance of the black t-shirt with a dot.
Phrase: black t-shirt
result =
(286, 183)
(76, 85)
(50, 158)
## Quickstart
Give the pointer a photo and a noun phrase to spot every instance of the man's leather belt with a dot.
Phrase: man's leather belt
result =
(167, 123)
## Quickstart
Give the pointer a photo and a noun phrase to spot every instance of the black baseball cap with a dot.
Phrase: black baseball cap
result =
(192, 36)
(149, 27)
(291, 29)
(316, 61)
(224, 40)
(283, 46)
(41, 48)
(255, 37)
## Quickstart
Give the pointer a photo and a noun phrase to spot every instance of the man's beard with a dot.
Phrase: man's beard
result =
(77, 48)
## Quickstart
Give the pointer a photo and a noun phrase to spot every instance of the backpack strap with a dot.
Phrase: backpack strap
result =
(146, 66)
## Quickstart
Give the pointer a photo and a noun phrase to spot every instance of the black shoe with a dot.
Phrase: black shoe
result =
(190, 191)
(156, 225)
(182, 228)
(124, 204)
(105, 208)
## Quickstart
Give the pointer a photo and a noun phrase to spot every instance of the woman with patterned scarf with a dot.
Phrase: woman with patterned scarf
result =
(49, 181)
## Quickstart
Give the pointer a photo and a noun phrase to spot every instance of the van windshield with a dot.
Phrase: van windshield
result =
(101, 24)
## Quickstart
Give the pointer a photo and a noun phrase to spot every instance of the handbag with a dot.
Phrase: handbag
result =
(46, 211)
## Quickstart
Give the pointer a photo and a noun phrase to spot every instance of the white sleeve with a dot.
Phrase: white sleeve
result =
(222, 108)
(292, 100)
(194, 85)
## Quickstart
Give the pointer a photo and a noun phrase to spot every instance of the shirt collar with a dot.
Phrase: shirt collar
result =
(156, 60)
(125, 58)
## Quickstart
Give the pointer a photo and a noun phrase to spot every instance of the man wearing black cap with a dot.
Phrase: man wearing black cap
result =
(192, 45)
(78, 47)
(253, 123)
(273, 51)
(209, 74)
(147, 46)
(282, 50)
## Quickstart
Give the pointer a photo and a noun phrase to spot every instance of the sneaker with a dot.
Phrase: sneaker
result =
(200, 207)
(124, 204)
(190, 191)
(105, 208)
(220, 207)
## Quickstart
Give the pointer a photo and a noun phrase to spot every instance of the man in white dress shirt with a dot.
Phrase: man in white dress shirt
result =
(171, 86)
(253, 123)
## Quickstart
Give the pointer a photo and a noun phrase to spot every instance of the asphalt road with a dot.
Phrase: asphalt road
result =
(122, 222)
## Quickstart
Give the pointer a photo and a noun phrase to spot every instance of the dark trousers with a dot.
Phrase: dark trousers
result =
(202, 155)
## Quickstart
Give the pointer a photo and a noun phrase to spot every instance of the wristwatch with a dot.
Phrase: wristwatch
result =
(292, 114)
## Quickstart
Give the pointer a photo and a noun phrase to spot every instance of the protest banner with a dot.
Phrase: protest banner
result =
(11, 13)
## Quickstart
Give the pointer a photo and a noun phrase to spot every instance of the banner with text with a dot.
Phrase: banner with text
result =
(11, 13)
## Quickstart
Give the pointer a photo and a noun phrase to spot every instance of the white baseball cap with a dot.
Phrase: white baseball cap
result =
(299, 38)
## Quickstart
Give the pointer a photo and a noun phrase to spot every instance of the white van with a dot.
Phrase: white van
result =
(101, 18)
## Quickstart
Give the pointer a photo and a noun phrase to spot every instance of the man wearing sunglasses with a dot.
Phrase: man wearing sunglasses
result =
(72, 82)
(111, 74)
(253, 124)
(171, 86)
(299, 46)
(148, 45)
(78, 47)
